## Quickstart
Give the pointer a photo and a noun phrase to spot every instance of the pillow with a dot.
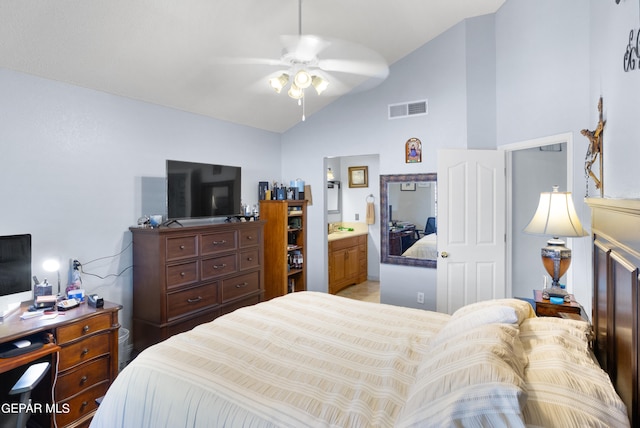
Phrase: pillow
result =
(571, 334)
(566, 387)
(474, 379)
(522, 308)
(467, 321)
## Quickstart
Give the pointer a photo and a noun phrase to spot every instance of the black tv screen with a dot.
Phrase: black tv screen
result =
(15, 264)
(196, 190)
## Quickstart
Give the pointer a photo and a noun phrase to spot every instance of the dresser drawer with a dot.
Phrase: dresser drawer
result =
(249, 238)
(79, 329)
(241, 285)
(84, 350)
(217, 266)
(81, 405)
(182, 274)
(249, 259)
(85, 376)
(213, 243)
(189, 323)
(190, 300)
(182, 247)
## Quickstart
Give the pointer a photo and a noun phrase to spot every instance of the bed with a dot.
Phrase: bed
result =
(315, 359)
(423, 248)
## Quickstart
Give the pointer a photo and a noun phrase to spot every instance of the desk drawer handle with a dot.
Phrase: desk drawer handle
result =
(249, 259)
(182, 274)
(83, 380)
(249, 237)
(182, 247)
(194, 300)
(84, 352)
(83, 405)
(224, 241)
(222, 266)
(85, 329)
(244, 284)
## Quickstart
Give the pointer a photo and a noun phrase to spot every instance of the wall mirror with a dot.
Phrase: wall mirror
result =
(408, 219)
(334, 198)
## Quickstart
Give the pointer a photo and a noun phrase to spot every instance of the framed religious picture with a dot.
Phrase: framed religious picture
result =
(413, 150)
(358, 176)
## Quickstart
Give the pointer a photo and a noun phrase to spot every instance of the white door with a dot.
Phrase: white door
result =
(471, 227)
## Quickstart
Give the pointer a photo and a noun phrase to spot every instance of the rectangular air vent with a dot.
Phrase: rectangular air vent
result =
(414, 108)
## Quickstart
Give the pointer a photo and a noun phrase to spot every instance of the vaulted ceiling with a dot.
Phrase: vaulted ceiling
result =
(171, 52)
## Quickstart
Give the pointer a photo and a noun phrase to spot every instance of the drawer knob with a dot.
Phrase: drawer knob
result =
(85, 329)
(220, 242)
(182, 247)
(242, 285)
(249, 259)
(83, 405)
(84, 352)
(249, 237)
(194, 299)
(182, 274)
(223, 265)
(83, 380)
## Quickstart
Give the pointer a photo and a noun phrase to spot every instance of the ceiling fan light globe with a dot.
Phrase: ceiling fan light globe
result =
(295, 92)
(302, 79)
(319, 84)
(278, 83)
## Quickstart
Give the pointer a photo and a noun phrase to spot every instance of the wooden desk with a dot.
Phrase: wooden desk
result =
(84, 350)
(397, 237)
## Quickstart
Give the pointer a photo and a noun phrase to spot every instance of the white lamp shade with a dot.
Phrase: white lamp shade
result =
(556, 216)
(295, 92)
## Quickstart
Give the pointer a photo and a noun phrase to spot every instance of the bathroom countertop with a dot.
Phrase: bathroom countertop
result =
(358, 230)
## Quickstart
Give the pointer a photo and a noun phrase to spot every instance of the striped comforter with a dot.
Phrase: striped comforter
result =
(314, 359)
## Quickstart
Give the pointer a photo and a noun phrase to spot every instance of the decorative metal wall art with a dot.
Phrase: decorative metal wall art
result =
(594, 152)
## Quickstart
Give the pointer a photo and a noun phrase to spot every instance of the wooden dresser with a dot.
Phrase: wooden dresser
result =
(85, 341)
(185, 276)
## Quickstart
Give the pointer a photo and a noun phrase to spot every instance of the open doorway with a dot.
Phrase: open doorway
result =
(533, 167)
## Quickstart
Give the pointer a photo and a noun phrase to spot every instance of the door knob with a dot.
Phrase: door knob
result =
(444, 254)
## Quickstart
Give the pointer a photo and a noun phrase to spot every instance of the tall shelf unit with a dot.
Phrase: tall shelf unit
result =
(285, 246)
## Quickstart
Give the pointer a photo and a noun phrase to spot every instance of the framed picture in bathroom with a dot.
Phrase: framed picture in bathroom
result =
(358, 176)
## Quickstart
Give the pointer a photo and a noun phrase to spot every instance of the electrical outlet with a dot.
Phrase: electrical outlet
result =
(420, 297)
(357, 216)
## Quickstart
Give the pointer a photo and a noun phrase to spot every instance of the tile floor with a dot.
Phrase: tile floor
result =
(369, 291)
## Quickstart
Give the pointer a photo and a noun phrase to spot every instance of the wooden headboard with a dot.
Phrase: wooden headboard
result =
(616, 266)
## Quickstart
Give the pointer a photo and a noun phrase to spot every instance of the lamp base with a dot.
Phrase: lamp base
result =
(555, 291)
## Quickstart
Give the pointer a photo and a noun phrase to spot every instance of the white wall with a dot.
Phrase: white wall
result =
(72, 164)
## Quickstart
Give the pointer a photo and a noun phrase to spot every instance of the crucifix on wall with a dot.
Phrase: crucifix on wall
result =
(594, 152)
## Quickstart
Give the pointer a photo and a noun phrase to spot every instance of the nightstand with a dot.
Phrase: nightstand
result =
(544, 308)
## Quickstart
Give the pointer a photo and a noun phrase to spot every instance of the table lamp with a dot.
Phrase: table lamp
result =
(556, 216)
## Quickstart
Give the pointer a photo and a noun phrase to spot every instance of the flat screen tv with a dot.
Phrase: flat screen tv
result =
(15, 264)
(197, 190)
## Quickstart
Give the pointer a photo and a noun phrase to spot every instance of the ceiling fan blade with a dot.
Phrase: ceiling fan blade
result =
(375, 69)
(248, 61)
(306, 47)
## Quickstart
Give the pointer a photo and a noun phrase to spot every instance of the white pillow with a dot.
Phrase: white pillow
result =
(461, 323)
(523, 309)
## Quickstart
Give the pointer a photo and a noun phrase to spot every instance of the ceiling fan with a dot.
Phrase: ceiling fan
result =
(326, 64)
